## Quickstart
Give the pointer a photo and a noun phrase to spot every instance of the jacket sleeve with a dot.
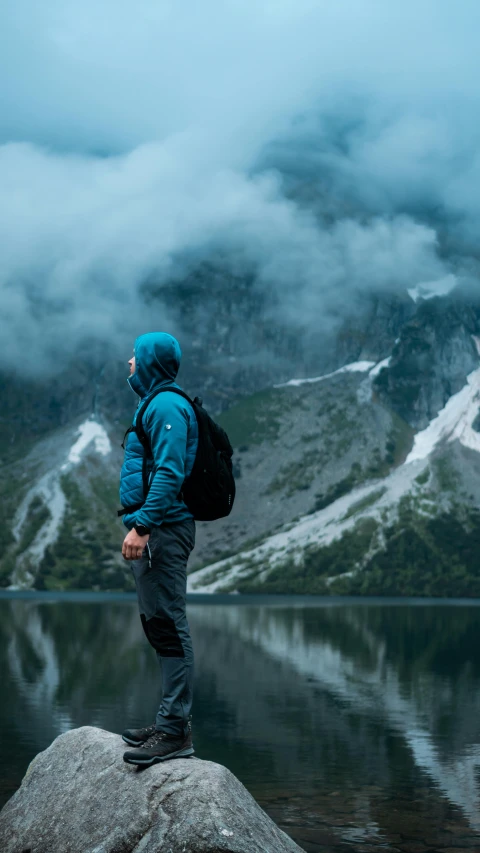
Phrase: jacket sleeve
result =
(166, 425)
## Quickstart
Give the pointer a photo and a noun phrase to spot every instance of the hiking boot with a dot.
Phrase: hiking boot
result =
(135, 737)
(159, 747)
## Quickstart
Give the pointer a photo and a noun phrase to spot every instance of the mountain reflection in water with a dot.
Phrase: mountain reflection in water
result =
(356, 726)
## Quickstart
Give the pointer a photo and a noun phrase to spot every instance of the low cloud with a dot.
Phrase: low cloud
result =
(330, 148)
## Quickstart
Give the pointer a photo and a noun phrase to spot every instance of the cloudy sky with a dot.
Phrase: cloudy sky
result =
(325, 145)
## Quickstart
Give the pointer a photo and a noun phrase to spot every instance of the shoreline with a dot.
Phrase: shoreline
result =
(91, 596)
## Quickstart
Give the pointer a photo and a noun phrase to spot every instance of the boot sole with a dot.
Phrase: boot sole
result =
(146, 762)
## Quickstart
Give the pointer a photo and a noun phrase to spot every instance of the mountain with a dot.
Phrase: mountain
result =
(356, 456)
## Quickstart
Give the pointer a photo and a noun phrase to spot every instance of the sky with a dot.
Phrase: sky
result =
(331, 147)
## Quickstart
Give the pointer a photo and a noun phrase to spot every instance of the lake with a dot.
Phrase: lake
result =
(354, 723)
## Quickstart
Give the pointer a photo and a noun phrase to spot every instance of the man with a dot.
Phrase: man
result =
(161, 537)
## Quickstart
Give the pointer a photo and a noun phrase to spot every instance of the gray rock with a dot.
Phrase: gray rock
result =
(78, 796)
(434, 354)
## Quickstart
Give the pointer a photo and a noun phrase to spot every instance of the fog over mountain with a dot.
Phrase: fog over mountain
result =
(324, 149)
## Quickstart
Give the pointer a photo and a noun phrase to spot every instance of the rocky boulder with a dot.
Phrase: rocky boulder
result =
(78, 796)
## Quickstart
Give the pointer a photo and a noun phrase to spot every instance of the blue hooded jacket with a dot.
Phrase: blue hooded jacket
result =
(172, 430)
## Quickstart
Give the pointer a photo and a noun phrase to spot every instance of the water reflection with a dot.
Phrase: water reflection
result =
(356, 727)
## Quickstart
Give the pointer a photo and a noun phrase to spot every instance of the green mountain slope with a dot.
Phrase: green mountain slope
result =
(363, 480)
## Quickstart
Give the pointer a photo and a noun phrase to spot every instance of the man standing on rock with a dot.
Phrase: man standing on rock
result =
(159, 455)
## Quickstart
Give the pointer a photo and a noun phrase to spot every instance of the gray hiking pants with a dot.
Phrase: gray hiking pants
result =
(161, 581)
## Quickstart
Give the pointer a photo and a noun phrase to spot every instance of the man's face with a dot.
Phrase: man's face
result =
(132, 365)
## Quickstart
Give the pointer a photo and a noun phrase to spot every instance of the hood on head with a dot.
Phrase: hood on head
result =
(157, 360)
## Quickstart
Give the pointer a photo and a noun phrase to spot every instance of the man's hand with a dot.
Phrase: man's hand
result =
(133, 545)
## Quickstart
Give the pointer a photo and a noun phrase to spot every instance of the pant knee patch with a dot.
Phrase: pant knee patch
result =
(162, 634)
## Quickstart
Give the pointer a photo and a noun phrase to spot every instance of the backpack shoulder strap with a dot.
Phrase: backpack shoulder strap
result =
(143, 438)
(139, 429)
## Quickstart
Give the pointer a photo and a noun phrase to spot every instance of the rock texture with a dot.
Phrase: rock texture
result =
(431, 360)
(78, 796)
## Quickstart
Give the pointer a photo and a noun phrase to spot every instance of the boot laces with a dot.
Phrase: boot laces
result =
(154, 740)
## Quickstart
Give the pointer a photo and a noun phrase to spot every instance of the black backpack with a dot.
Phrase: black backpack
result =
(209, 490)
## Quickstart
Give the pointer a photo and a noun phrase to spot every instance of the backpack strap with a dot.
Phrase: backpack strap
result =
(138, 428)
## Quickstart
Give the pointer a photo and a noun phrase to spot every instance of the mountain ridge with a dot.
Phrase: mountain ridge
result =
(308, 451)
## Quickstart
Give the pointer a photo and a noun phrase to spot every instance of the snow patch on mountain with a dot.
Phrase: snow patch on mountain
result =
(49, 490)
(378, 367)
(90, 431)
(453, 422)
(319, 528)
(354, 367)
(364, 390)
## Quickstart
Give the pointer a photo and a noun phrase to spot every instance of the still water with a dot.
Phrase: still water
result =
(355, 724)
